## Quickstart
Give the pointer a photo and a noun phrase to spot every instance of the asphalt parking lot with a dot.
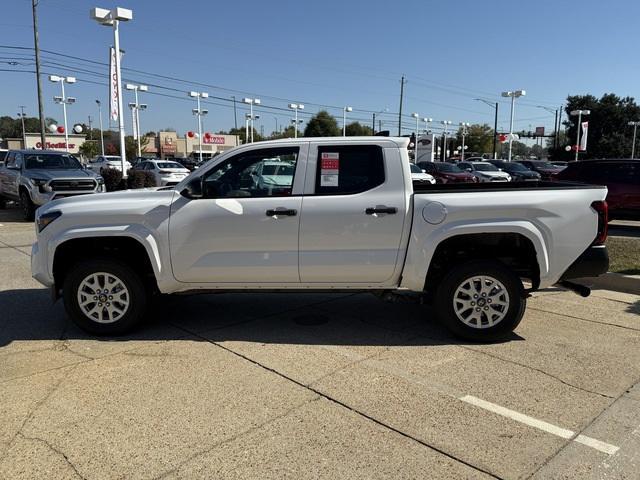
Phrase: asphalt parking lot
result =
(313, 386)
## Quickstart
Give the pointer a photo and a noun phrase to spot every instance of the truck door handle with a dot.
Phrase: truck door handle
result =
(389, 210)
(289, 212)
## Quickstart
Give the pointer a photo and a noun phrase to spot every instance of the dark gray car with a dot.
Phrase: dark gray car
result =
(35, 177)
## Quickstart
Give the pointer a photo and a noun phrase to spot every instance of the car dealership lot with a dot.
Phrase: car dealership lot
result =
(308, 386)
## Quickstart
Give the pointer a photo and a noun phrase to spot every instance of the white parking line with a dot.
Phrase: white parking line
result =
(541, 425)
(475, 401)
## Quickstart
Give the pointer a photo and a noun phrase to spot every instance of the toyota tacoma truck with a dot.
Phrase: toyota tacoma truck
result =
(348, 218)
(35, 177)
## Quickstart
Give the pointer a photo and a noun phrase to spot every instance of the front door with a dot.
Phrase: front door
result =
(245, 229)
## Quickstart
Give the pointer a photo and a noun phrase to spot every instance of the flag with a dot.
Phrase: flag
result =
(583, 137)
(114, 85)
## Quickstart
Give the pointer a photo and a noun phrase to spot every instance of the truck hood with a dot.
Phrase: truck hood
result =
(492, 174)
(51, 174)
(112, 204)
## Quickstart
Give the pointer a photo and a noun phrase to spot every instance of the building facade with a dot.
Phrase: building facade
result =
(53, 141)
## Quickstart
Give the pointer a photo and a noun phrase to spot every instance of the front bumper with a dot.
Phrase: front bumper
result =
(592, 263)
(40, 267)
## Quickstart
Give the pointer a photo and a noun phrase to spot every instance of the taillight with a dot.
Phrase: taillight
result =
(603, 221)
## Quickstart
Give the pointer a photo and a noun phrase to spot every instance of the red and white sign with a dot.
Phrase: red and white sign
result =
(53, 146)
(114, 85)
(213, 139)
(583, 137)
(329, 169)
(539, 131)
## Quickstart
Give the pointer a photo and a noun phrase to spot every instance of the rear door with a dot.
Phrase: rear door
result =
(353, 214)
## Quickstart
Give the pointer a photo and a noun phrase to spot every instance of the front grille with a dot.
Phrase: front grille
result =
(87, 185)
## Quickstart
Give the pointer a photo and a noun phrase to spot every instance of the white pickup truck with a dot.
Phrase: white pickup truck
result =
(348, 218)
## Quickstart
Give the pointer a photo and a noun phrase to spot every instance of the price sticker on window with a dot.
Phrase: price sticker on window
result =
(329, 169)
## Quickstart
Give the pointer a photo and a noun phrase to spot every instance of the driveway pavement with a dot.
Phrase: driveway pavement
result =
(313, 386)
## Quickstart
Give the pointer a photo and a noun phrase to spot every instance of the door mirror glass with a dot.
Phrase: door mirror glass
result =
(193, 190)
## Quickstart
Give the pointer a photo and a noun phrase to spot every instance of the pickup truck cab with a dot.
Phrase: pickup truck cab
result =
(348, 219)
(35, 177)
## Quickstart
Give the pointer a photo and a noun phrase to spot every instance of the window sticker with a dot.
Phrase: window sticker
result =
(329, 169)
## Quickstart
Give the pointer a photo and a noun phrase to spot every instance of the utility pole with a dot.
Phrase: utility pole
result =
(373, 125)
(24, 136)
(235, 112)
(402, 82)
(90, 130)
(36, 46)
(495, 123)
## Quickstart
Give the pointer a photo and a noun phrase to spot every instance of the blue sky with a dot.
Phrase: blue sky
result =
(330, 54)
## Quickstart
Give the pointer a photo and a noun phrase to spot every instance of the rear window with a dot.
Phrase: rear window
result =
(169, 165)
(349, 169)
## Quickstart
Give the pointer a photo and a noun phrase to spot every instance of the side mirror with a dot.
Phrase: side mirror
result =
(424, 171)
(193, 190)
(469, 170)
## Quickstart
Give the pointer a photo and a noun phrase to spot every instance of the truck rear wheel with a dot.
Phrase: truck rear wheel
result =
(104, 297)
(481, 301)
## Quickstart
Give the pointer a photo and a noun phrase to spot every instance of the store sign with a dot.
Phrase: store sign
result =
(213, 140)
(53, 146)
(169, 148)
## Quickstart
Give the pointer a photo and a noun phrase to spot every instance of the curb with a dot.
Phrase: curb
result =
(613, 281)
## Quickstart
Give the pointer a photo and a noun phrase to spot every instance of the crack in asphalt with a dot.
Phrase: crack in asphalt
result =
(585, 319)
(237, 436)
(58, 451)
(583, 429)
(6, 245)
(346, 406)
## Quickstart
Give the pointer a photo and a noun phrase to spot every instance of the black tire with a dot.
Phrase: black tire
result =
(484, 332)
(28, 208)
(137, 297)
(3, 203)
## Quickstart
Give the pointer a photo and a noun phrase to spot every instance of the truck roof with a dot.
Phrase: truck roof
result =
(397, 141)
(37, 150)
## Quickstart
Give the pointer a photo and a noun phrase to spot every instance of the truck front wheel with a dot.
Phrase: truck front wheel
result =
(481, 301)
(104, 297)
(28, 209)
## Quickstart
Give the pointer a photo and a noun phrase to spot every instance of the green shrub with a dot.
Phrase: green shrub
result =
(112, 179)
(140, 179)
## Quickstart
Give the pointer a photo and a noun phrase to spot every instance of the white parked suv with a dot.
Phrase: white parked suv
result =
(165, 172)
(350, 220)
(485, 171)
(420, 175)
(102, 162)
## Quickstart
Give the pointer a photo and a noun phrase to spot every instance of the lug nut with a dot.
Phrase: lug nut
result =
(488, 300)
(95, 298)
(111, 298)
(475, 295)
(477, 309)
(484, 294)
(473, 304)
(486, 308)
(99, 304)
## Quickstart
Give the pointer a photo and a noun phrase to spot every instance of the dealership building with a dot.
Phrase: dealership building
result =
(161, 145)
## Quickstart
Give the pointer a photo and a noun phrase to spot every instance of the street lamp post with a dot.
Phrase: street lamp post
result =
(24, 136)
(251, 102)
(199, 112)
(112, 18)
(633, 145)
(136, 111)
(579, 113)
(296, 107)
(515, 94)
(464, 126)
(344, 120)
(415, 144)
(495, 124)
(101, 130)
(443, 155)
(64, 100)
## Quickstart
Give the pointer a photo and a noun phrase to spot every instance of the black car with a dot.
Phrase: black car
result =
(547, 170)
(518, 172)
(189, 163)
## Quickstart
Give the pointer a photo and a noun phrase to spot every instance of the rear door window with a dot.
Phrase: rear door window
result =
(349, 169)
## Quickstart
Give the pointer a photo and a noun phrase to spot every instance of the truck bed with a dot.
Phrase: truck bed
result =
(499, 186)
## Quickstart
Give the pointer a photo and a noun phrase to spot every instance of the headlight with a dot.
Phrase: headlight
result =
(38, 182)
(46, 218)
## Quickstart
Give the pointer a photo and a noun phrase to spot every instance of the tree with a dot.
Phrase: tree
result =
(356, 129)
(89, 148)
(609, 135)
(479, 138)
(322, 125)
(286, 133)
(12, 127)
(241, 132)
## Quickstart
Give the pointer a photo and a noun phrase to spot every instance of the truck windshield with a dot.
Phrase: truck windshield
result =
(447, 167)
(50, 161)
(485, 167)
(284, 169)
